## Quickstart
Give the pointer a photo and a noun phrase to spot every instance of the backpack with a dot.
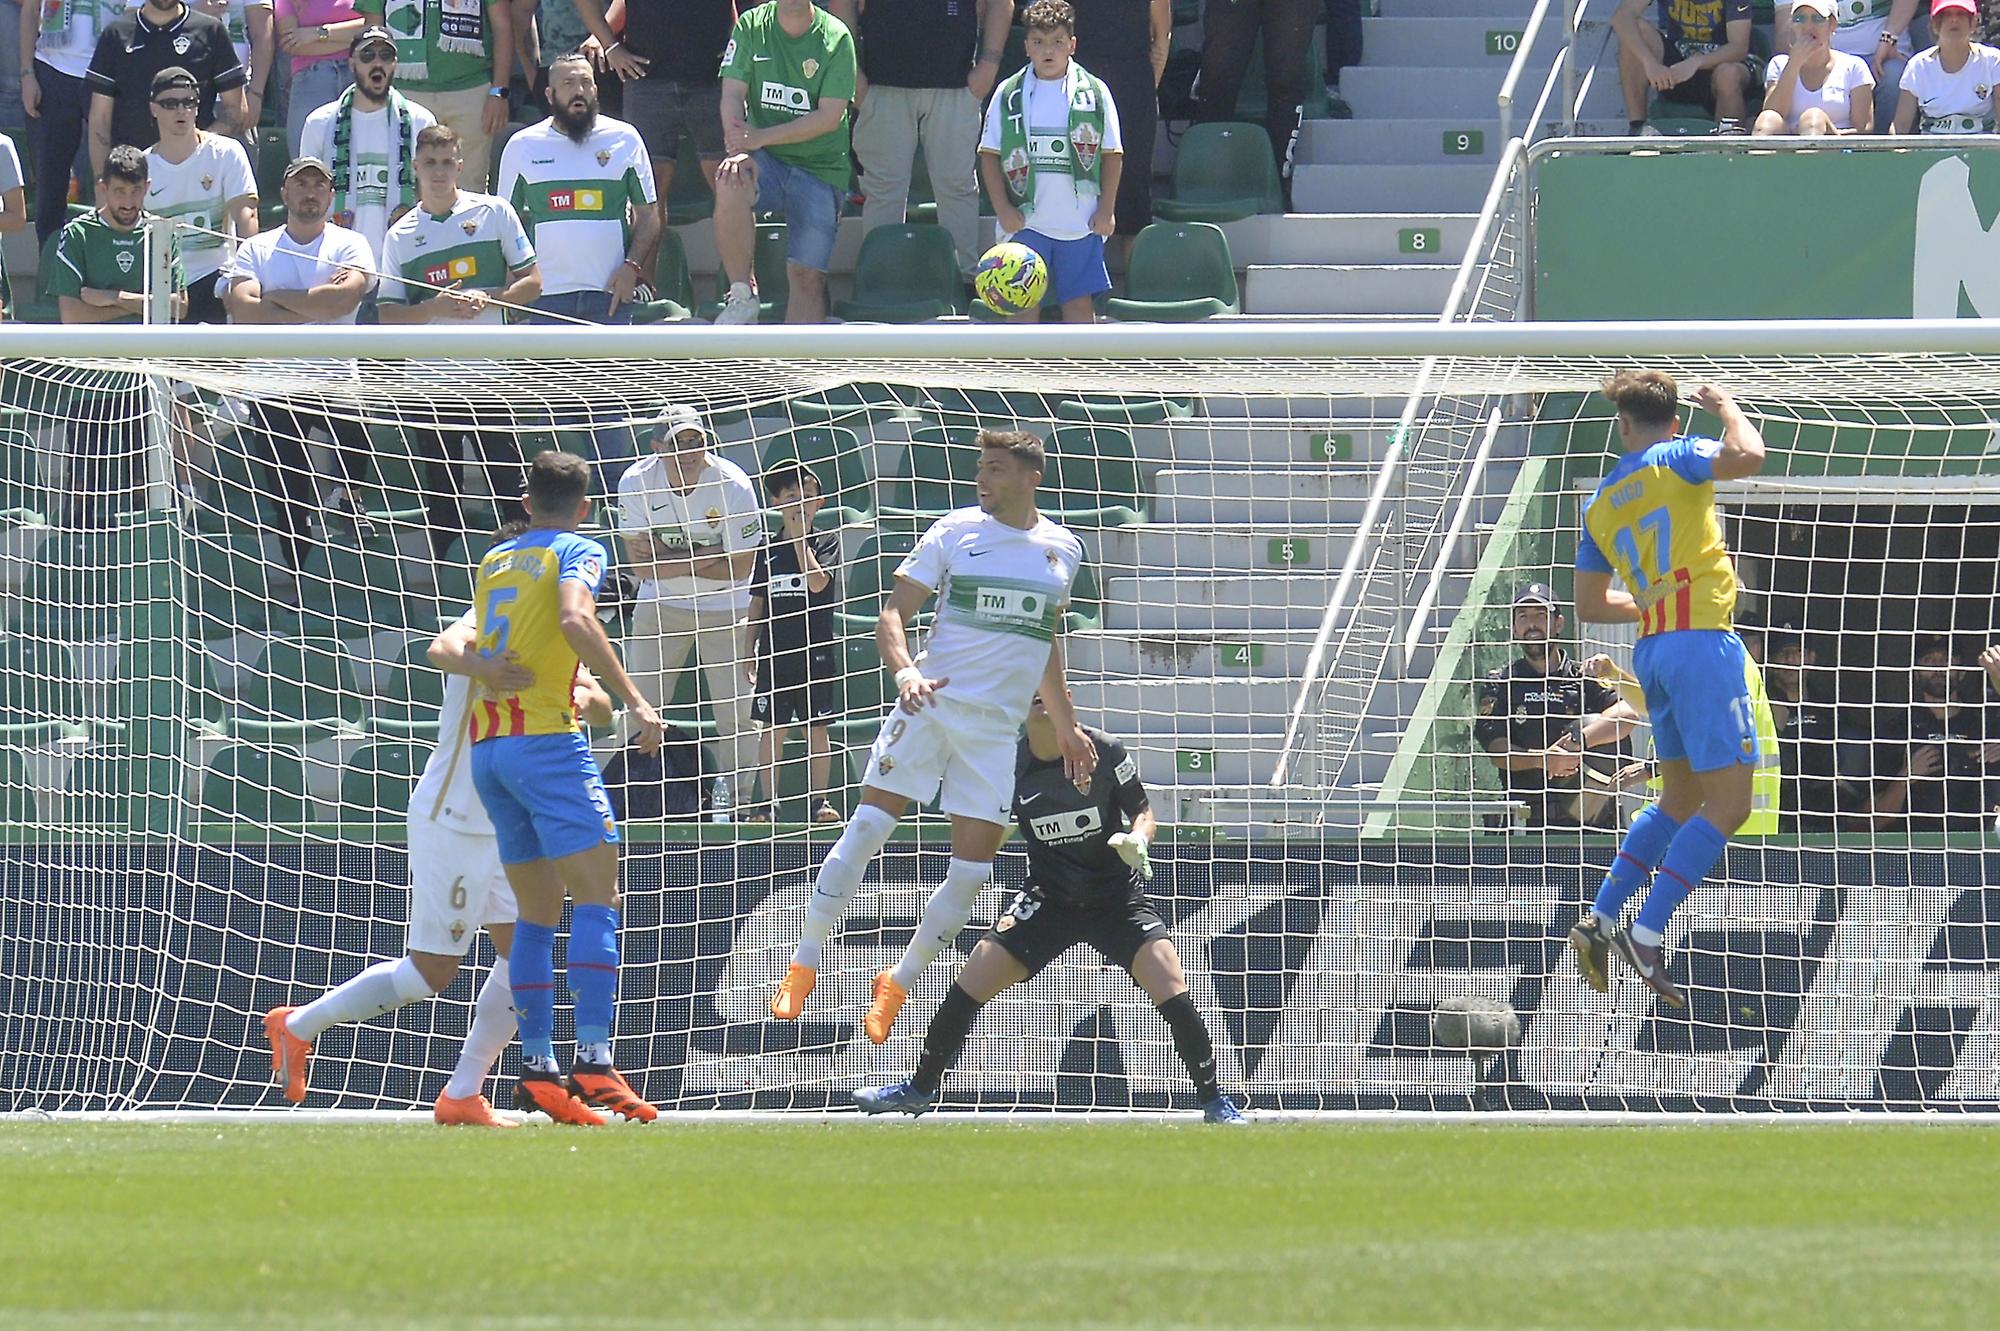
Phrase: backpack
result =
(670, 784)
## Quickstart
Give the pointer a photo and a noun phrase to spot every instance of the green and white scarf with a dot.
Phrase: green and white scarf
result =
(1087, 98)
(56, 14)
(459, 27)
(343, 156)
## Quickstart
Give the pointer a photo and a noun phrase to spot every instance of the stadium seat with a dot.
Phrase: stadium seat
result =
(18, 804)
(1179, 272)
(849, 404)
(98, 789)
(671, 280)
(37, 682)
(346, 591)
(1112, 410)
(301, 679)
(689, 199)
(1092, 477)
(70, 593)
(43, 308)
(906, 274)
(375, 786)
(1086, 602)
(409, 687)
(870, 576)
(936, 475)
(767, 267)
(1223, 172)
(22, 489)
(268, 159)
(228, 590)
(264, 785)
(835, 455)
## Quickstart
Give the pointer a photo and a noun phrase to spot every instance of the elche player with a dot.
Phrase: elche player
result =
(1089, 855)
(457, 888)
(1002, 575)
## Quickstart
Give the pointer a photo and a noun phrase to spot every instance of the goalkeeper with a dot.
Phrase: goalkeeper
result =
(1087, 858)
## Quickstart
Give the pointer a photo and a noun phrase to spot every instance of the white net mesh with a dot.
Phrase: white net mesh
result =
(215, 700)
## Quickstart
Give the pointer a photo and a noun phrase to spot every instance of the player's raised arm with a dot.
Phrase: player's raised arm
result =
(892, 637)
(1079, 754)
(1742, 443)
(585, 636)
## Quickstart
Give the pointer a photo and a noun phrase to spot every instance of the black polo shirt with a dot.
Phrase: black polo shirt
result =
(1959, 797)
(131, 50)
(918, 43)
(1813, 747)
(1531, 709)
(682, 38)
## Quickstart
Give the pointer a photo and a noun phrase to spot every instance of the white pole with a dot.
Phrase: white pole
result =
(159, 250)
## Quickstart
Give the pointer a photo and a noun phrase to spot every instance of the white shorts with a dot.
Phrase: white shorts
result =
(457, 887)
(966, 751)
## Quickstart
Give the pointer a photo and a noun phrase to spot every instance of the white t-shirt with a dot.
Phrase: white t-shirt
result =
(575, 198)
(475, 246)
(444, 794)
(372, 193)
(1000, 598)
(1845, 75)
(721, 515)
(233, 18)
(276, 262)
(69, 51)
(1960, 103)
(198, 192)
(1057, 211)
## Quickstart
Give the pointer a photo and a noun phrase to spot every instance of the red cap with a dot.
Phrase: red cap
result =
(1965, 7)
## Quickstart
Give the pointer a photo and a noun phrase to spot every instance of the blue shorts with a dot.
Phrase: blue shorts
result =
(810, 206)
(1698, 697)
(544, 794)
(1076, 267)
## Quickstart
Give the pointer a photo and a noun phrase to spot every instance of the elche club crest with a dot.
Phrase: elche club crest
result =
(1016, 169)
(1085, 141)
(810, 67)
(125, 261)
(470, 226)
(207, 183)
(181, 44)
(603, 156)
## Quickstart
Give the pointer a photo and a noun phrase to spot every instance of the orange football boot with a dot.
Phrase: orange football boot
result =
(473, 1111)
(604, 1086)
(290, 1056)
(790, 1000)
(544, 1093)
(882, 1012)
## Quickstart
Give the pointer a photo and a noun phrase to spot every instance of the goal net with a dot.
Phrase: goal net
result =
(222, 568)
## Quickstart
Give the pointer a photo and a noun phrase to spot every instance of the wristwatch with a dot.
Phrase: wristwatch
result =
(324, 34)
(496, 91)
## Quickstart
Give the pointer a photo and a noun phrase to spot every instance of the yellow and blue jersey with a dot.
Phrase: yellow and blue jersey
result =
(520, 610)
(1652, 522)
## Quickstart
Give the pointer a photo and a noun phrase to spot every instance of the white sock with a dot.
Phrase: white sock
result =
(598, 1054)
(944, 915)
(1644, 936)
(863, 838)
(383, 987)
(492, 1028)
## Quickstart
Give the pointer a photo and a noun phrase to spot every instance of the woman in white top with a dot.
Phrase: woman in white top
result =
(1950, 88)
(1817, 89)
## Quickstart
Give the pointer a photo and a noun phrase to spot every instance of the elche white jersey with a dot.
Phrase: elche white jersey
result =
(197, 192)
(720, 515)
(577, 199)
(1001, 592)
(444, 793)
(473, 246)
(1953, 103)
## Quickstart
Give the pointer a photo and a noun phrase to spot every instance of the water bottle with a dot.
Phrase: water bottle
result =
(718, 800)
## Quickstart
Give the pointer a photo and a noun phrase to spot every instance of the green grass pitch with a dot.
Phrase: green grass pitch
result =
(965, 1224)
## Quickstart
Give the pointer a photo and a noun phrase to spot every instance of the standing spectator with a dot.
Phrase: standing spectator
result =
(12, 67)
(56, 45)
(455, 57)
(368, 136)
(1538, 716)
(1051, 158)
(308, 271)
(160, 34)
(1950, 88)
(787, 76)
(1343, 50)
(1231, 28)
(1817, 88)
(927, 67)
(99, 276)
(666, 57)
(788, 641)
(1698, 53)
(1945, 747)
(254, 39)
(203, 181)
(1812, 742)
(456, 258)
(691, 524)
(1877, 32)
(316, 35)
(13, 210)
(583, 187)
(1125, 43)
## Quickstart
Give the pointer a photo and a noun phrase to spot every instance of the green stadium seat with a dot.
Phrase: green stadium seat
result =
(375, 786)
(871, 574)
(1111, 410)
(43, 308)
(229, 589)
(98, 789)
(19, 806)
(260, 784)
(1222, 172)
(689, 199)
(301, 679)
(70, 593)
(767, 267)
(22, 488)
(936, 475)
(671, 279)
(1086, 602)
(269, 157)
(1179, 272)
(907, 273)
(346, 591)
(408, 688)
(835, 455)
(847, 404)
(1092, 477)
(38, 682)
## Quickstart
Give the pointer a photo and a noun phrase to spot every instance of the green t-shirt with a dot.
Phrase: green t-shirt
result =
(787, 76)
(89, 253)
(423, 62)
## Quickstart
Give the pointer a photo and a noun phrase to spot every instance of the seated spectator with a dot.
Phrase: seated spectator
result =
(1943, 749)
(1882, 33)
(203, 181)
(1539, 715)
(1950, 88)
(1693, 53)
(1817, 89)
(787, 77)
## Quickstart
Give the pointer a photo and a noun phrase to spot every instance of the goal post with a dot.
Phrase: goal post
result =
(1303, 544)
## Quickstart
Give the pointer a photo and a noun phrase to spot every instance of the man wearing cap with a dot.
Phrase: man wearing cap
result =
(691, 524)
(368, 137)
(455, 57)
(1949, 89)
(138, 44)
(1691, 53)
(308, 271)
(1539, 714)
(202, 182)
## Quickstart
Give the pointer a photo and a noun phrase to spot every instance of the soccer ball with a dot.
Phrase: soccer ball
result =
(1011, 278)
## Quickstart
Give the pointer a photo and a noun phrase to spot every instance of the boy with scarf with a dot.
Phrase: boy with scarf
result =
(367, 136)
(1051, 158)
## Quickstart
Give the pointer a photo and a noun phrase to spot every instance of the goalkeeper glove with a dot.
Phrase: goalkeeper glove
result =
(1133, 849)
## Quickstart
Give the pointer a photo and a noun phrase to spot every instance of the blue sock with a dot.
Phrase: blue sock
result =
(531, 964)
(593, 971)
(1644, 847)
(1697, 846)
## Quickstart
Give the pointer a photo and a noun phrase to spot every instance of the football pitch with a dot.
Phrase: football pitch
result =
(938, 1224)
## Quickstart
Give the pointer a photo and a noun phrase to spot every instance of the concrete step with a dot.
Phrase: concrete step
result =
(1350, 289)
(1457, 41)
(1227, 548)
(1277, 444)
(1399, 92)
(1377, 187)
(1220, 407)
(1191, 760)
(1317, 496)
(1350, 237)
(1205, 603)
(1174, 707)
(1107, 653)
(1516, 11)
(1399, 142)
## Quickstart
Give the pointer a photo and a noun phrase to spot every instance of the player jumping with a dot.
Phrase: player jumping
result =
(456, 888)
(1002, 574)
(536, 603)
(1653, 522)
(1085, 870)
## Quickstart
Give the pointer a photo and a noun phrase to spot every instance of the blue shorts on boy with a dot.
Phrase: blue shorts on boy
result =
(1076, 267)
